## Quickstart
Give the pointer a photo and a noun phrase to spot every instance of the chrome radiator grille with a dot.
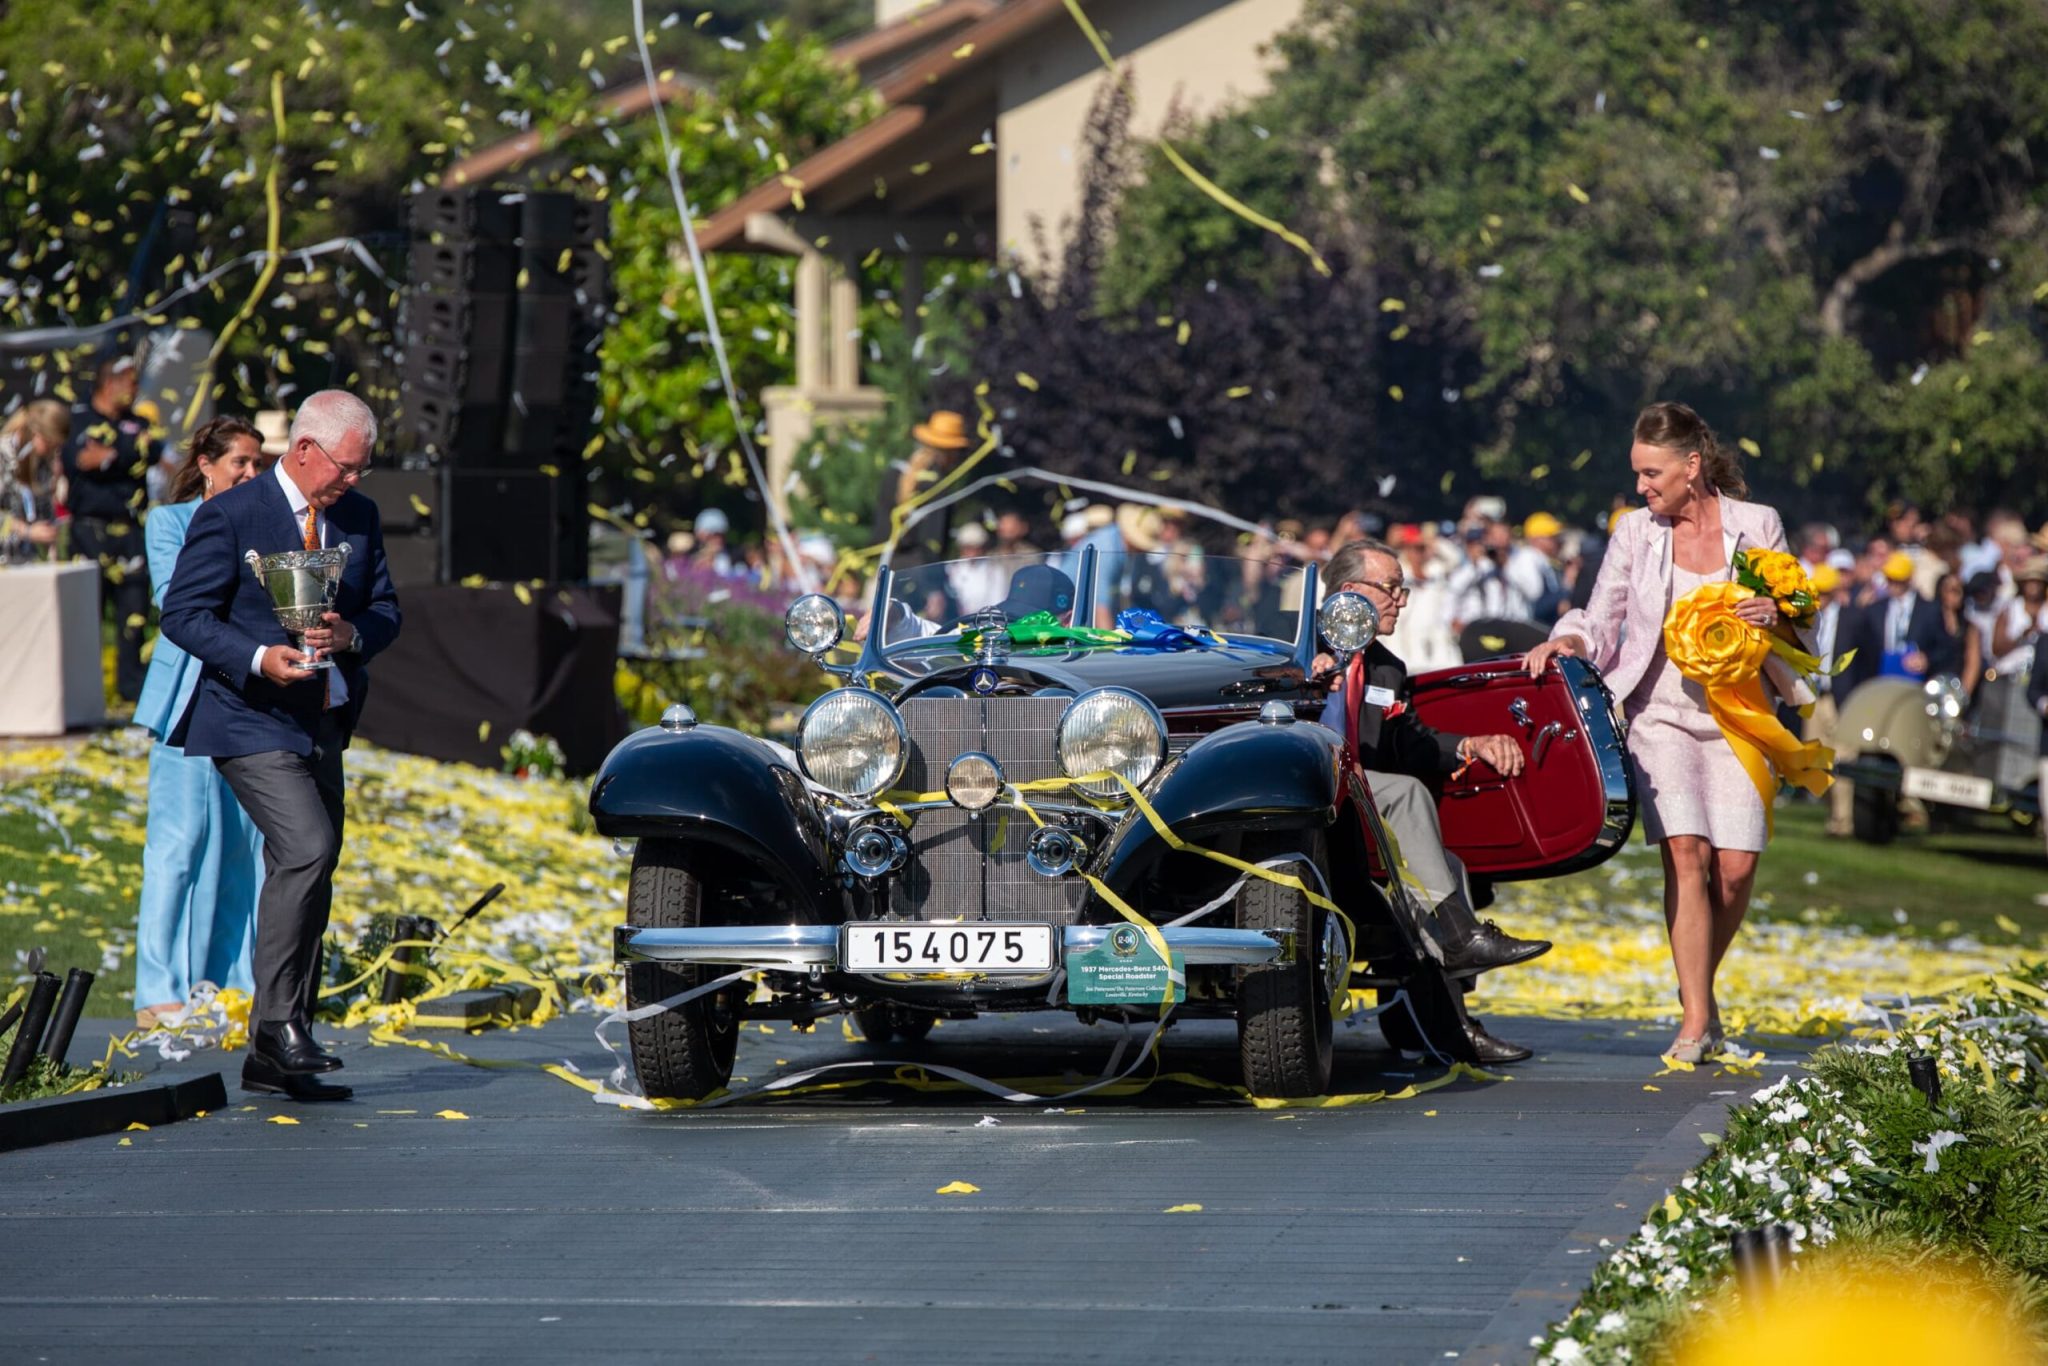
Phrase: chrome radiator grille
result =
(968, 867)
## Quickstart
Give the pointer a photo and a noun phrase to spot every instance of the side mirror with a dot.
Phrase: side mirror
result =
(1347, 624)
(814, 624)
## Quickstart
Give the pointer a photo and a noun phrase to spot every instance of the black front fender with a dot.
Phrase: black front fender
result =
(1246, 776)
(725, 795)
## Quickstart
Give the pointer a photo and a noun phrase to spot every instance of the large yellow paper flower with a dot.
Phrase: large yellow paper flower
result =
(1708, 643)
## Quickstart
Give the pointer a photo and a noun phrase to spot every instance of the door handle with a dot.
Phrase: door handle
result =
(1553, 731)
(1519, 710)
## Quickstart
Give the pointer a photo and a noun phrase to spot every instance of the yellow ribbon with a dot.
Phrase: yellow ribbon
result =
(1713, 647)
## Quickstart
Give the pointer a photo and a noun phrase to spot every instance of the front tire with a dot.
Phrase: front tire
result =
(1284, 1024)
(685, 1053)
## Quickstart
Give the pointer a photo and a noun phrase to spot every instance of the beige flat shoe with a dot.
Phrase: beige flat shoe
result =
(1693, 1051)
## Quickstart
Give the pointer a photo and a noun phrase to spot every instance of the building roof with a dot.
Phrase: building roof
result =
(915, 158)
(875, 55)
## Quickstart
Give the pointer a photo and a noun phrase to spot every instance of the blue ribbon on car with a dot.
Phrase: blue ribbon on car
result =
(1150, 631)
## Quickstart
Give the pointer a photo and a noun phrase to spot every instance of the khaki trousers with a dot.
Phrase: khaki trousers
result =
(1820, 725)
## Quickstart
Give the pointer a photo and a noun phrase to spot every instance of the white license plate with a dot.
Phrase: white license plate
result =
(946, 948)
(1957, 789)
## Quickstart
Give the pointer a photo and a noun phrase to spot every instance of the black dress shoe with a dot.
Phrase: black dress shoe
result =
(288, 1046)
(1494, 1052)
(261, 1074)
(1489, 946)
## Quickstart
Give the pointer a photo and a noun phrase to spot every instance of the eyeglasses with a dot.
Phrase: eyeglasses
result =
(1395, 589)
(355, 474)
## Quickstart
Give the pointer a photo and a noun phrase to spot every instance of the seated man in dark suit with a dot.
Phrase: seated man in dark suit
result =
(1403, 758)
(273, 726)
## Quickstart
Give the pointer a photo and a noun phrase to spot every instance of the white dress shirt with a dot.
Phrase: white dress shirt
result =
(337, 689)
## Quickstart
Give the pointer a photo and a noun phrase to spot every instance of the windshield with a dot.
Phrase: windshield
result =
(1184, 587)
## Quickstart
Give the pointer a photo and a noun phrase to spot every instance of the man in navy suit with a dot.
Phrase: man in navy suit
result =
(274, 728)
(1900, 625)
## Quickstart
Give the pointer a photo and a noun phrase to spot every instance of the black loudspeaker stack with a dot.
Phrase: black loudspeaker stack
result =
(510, 296)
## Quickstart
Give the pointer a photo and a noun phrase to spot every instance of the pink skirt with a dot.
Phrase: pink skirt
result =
(1689, 782)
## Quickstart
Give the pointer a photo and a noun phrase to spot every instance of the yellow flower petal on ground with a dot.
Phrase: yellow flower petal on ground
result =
(1182, 1209)
(281, 1119)
(958, 1188)
(449, 1114)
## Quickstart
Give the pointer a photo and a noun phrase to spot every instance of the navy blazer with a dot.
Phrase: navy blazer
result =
(217, 612)
(1862, 630)
(1397, 744)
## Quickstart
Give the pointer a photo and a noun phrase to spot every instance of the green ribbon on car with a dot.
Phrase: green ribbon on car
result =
(1043, 628)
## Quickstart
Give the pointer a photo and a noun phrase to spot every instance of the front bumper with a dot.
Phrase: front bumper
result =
(803, 948)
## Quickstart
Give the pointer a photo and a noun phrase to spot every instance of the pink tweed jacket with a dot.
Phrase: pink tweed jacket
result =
(1623, 622)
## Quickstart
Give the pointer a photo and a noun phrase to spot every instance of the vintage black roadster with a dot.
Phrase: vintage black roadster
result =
(1018, 802)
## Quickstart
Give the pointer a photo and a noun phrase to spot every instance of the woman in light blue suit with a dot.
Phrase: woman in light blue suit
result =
(202, 859)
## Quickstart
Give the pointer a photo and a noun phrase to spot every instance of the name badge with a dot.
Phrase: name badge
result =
(1379, 697)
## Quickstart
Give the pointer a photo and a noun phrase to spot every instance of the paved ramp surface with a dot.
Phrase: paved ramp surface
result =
(544, 1227)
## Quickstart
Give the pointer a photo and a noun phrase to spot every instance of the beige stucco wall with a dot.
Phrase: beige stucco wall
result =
(889, 11)
(1185, 55)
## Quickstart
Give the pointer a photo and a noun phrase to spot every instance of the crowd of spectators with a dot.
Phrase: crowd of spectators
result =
(1955, 596)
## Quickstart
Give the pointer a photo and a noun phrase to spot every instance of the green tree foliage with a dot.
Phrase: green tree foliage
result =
(116, 114)
(767, 109)
(1781, 213)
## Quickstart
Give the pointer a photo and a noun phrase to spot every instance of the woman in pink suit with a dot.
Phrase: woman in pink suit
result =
(1698, 803)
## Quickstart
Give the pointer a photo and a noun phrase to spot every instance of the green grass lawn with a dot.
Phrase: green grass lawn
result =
(70, 872)
(1928, 885)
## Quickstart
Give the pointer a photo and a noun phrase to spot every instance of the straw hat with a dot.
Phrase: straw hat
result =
(274, 426)
(947, 431)
(2039, 540)
(1141, 526)
(2035, 569)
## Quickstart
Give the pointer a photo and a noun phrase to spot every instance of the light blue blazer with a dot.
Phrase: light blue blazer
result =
(173, 674)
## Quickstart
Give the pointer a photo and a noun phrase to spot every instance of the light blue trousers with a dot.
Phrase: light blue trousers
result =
(202, 866)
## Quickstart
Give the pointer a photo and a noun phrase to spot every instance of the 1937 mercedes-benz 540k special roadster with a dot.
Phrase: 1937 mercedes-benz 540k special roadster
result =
(1035, 791)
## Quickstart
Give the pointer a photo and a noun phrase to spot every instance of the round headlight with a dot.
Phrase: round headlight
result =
(852, 741)
(813, 623)
(1111, 730)
(974, 782)
(1348, 622)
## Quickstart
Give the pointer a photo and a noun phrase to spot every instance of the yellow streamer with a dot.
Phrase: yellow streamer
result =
(1195, 177)
(272, 239)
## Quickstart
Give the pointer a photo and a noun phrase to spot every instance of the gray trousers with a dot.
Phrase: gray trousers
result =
(1432, 872)
(297, 803)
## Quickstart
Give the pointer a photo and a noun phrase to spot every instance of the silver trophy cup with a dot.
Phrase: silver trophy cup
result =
(302, 585)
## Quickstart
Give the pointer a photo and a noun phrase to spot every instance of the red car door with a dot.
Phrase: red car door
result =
(1573, 804)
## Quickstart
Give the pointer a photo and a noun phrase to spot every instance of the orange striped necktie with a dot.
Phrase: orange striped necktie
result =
(312, 532)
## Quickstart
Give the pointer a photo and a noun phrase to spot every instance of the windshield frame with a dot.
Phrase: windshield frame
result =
(876, 653)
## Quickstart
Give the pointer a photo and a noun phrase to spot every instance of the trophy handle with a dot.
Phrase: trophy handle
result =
(255, 563)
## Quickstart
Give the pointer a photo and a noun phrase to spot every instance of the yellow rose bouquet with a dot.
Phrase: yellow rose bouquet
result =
(1713, 647)
(1780, 576)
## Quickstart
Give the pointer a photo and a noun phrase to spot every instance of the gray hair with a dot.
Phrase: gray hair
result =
(332, 414)
(1348, 564)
